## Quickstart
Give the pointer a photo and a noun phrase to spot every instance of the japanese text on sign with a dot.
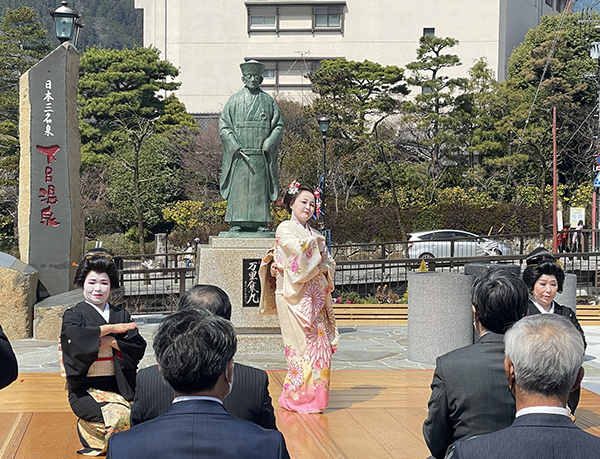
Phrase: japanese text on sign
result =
(48, 195)
(251, 283)
(48, 109)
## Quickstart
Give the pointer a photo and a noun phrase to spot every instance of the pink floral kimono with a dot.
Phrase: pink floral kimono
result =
(298, 284)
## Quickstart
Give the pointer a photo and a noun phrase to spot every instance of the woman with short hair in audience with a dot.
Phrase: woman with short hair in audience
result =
(299, 271)
(544, 278)
(101, 349)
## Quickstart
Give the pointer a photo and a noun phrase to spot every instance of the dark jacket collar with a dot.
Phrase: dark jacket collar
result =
(490, 337)
(197, 407)
(544, 419)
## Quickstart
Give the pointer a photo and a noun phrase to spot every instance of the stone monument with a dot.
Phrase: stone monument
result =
(250, 128)
(51, 234)
(18, 283)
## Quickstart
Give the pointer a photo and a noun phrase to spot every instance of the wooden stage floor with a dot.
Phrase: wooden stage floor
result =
(371, 414)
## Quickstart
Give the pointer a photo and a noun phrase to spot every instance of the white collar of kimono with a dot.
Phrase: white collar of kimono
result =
(105, 313)
(541, 308)
(306, 227)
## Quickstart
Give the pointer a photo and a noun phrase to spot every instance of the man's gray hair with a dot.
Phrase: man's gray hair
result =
(546, 351)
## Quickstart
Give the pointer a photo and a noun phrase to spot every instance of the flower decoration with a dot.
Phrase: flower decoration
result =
(293, 187)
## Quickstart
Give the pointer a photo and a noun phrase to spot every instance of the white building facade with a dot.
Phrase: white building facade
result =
(208, 39)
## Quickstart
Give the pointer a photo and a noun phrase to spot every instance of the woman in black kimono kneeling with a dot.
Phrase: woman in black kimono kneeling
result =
(101, 349)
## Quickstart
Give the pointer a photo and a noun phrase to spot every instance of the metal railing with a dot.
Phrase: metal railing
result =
(366, 276)
(154, 282)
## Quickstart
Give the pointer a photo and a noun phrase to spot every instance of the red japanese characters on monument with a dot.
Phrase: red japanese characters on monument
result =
(48, 195)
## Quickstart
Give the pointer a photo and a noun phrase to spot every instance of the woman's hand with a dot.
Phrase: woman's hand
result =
(109, 341)
(116, 328)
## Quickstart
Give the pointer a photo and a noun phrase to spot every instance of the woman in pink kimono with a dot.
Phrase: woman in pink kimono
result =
(299, 271)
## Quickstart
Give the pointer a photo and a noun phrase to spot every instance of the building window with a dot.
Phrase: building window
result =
(288, 72)
(429, 31)
(426, 90)
(262, 21)
(327, 16)
(300, 17)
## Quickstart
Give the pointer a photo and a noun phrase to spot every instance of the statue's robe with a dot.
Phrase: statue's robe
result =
(249, 182)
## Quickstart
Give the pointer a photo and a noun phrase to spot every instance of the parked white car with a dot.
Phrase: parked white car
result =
(427, 244)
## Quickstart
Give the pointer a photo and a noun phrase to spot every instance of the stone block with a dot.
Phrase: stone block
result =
(18, 286)
(48, 314)
(220, 263)
(440, 317)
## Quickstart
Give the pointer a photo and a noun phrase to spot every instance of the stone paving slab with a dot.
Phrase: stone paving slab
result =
(362, 347)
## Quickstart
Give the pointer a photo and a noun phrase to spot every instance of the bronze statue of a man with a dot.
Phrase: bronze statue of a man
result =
(250, 128)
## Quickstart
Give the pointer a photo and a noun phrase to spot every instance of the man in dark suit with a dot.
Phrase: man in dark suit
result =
(469, 393)
(543, 361)
(8, 362)
(194, 350)
(249, 399)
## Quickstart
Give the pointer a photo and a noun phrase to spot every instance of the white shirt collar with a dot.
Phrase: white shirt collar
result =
(543, 410)
(187, 398)
(541, 308)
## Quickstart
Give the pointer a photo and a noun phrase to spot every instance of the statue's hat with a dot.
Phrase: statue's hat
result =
(252, 68)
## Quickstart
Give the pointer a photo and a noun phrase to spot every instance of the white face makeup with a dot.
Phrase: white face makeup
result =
(96, 288)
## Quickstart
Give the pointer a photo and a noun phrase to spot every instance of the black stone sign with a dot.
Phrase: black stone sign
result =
(251, 287)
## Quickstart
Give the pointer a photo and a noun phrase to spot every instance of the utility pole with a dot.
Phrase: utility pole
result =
(595, 54)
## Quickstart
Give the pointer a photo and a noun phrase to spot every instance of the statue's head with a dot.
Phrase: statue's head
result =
(252, 73)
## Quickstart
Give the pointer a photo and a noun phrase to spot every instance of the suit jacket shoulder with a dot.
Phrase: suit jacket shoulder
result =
(197, 429)
(249, 398)
(533, 435)
(153, 396)
(469, 395)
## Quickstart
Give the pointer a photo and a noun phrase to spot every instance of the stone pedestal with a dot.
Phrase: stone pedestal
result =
(568, 297)
(51, 235)
(18, 283)
(48, 314)
(440, 317)
(220, 263)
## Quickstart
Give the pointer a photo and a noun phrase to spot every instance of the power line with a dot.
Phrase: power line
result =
(550, 54)
(578, 129)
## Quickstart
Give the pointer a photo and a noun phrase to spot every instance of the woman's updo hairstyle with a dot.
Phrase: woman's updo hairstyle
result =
(100, 261)
(293, 191)
(540, 262)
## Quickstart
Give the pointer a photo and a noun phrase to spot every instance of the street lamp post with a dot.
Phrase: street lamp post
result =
(75, 38)
(324, 127)
(64, 22)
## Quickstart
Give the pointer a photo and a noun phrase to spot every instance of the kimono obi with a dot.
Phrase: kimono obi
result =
(103, 365)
